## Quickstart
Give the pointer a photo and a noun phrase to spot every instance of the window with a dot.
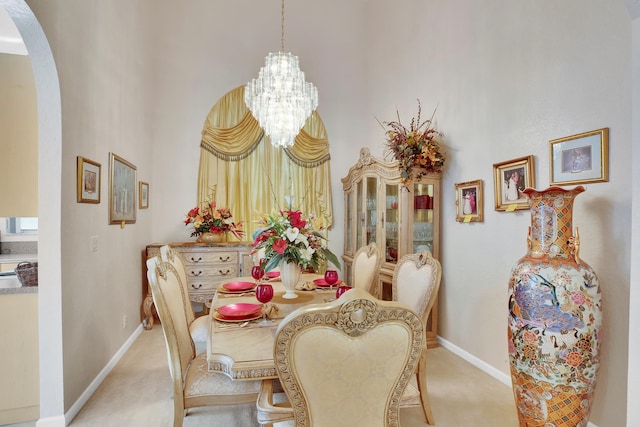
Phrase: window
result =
(15, 225)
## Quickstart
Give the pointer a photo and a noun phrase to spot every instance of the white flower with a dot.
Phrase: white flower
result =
(307, 253)
(303, 239)
(292, 233)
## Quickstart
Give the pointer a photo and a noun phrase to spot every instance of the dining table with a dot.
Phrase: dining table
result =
(243, 348)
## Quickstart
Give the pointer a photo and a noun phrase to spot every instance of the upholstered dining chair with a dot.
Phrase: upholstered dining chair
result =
(193, 384)
(415, 282)
(366, 268)
(198, 326)
(345, 362)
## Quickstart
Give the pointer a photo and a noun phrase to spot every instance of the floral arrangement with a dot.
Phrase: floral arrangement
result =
(209, 219)
(416, 148)
(288, 236)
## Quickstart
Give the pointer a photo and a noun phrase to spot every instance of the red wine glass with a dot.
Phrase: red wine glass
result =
(331, 277)
(264, 294)
(341, 290)
(257, 273)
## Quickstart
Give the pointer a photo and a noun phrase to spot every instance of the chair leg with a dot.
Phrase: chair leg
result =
(421, 376)
(178, 410)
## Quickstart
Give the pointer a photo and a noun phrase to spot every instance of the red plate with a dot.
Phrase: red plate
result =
(239, 311)
(321, 283)
(272, 274)
(238, 286)
(222, 318)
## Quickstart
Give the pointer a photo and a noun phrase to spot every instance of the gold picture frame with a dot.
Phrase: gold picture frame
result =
(469, 201)
(143, 195)
(88, 181)
(122, 191)
(580, 159)
(510, 179)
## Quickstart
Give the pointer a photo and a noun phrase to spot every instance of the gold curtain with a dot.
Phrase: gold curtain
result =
(250, 176)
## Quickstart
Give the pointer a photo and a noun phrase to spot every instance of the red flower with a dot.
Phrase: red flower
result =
(295, 218)
(280, 245)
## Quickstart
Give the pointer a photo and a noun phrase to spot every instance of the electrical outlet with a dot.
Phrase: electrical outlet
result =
(93, 243)
(124, 321)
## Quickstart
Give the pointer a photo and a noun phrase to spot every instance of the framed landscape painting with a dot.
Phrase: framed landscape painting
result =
(122, 191)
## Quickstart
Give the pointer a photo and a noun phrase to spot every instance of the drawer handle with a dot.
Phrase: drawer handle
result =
(196, 274)
(197, 287)
(224, 273)
(196, 260)
(225, 259)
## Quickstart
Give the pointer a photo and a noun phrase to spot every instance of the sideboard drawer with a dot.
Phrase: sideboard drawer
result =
(199, 258)
(211, 272)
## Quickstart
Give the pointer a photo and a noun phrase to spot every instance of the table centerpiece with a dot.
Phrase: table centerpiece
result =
(292, 242)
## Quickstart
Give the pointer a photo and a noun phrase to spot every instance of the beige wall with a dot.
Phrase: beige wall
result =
(507, 76)
(18, 138)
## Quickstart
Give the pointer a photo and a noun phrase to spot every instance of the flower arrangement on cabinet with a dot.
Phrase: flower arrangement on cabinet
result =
(210, 219)
(289, 236)
(416, 148)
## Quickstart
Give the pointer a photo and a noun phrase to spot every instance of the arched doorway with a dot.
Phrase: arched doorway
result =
(49, 195)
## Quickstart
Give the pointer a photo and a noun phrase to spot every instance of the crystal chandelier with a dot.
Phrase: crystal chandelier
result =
(280, 98)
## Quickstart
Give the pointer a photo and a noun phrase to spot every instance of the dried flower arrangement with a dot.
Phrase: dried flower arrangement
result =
(416, 148)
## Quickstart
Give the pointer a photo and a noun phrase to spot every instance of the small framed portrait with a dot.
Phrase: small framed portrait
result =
(469, 201)
(88, 180)
(143, 195)
(122, 191)
(580, 159)
(510, 180)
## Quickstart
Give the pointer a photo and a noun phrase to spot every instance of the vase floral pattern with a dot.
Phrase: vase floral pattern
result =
(555, 318)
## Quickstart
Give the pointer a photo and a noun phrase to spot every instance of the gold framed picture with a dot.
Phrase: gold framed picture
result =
(580, 159)
(510, 180)
(122, 191)
(469, 201)
(143, 195)
(88, 181)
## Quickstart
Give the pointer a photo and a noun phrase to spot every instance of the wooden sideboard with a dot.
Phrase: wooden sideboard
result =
(206, 266)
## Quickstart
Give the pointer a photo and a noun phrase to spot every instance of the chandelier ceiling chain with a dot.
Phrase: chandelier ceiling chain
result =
(282, 29)
(280, 98)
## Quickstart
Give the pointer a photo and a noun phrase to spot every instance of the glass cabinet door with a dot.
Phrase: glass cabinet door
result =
(371, 212)
(392, 219)
(349, 221)
(423, 217)
(360, 213)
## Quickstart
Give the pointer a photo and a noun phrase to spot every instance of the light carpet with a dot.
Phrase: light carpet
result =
(137, 393)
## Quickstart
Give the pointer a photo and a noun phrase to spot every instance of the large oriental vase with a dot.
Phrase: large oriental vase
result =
(555, 318)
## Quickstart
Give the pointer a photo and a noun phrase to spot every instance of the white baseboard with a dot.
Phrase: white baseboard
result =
(84, 397)
(483, 366)
(57, 421)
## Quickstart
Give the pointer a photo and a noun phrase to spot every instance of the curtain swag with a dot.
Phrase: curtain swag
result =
(251, 176)
(231, 133)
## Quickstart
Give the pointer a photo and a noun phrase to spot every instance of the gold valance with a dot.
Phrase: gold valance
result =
(231, 133)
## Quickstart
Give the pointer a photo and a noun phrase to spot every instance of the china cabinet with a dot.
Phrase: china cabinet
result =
(398, 218)
(206, 265)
